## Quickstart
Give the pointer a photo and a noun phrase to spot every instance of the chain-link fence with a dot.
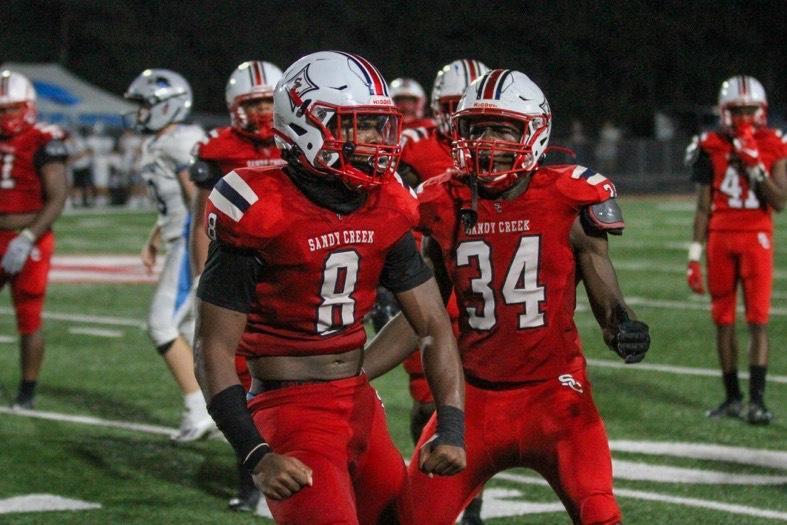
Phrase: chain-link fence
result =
(635, 165)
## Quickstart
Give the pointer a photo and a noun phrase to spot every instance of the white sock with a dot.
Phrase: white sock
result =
(195, 402)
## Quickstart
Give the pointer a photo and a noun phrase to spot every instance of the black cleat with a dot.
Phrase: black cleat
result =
(472, 514)
(23, 403)
(245, 501)
(758, 414)
(729, 408)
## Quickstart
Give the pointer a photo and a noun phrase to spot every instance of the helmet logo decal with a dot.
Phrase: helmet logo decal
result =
(299, 85)
(374, 80)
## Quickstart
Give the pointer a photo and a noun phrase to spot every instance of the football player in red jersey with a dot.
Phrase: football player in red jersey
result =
(295, 261)
(409, 97)
(32, 194)
(247, 142)
(741, 176)
(426, 153)
(512, 238)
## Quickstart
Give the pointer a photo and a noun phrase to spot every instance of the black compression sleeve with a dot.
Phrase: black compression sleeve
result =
(53, 151)
(229, 278)
(228, 410)
(404, 269)
(702, 169)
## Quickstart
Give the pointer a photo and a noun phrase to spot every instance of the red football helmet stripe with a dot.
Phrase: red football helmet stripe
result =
(473, 68)
(377, 79)
(491, 83)
(259, 78)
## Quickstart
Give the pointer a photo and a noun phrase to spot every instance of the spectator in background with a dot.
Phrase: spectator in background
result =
(101, 145)
(607, 147)
(83, 191)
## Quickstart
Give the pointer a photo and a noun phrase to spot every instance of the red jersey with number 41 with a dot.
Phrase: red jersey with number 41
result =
(21, 188)
(734, 206)
(320, 270)
(514, 272)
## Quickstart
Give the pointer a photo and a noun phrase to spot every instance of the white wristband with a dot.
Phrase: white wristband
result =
(26, 233)
(695, 251)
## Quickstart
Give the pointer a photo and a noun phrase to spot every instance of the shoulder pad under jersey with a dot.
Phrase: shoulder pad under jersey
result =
(692, 151)
(236, 213)
(581, 186)
(179, 143)
(604, 217)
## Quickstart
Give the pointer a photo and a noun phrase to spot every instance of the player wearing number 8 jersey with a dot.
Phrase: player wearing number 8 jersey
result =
(512, 237)
(296, 258)
(741, 178)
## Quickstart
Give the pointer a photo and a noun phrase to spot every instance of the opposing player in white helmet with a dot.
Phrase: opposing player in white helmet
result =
(32, 194)
(513, 259)
(164, 101)
(296, 257)
(247, 142)
(740, 171)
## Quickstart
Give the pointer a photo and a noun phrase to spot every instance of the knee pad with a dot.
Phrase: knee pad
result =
(164, 348)
(600, 509)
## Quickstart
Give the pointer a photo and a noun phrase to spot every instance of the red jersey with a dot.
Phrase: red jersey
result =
(514, 272)
(428, 157)
(320, 270)
(734, 207)
(21, 156)
(230, 150)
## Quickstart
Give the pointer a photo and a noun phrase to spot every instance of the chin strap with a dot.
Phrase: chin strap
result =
(469, 215)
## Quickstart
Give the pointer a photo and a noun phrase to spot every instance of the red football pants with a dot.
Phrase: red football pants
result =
(28, 287)
(338, 430)
(745, 257)
(549, 427)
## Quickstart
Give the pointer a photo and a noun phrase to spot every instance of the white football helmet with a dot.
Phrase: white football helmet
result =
(501, 96)
(252, 80)
(742, 91)
(17, 103)
(449, 85)
(164, 97)
(333, 114)
(407, 87)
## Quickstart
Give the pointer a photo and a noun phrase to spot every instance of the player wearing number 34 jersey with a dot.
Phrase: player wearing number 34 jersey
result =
(512, 238)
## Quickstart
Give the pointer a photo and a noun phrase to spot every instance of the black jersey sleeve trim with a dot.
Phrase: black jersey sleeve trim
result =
(404, 269)
(702, 169)
(230, 278)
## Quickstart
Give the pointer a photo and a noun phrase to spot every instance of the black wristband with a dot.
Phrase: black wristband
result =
(228, 410)
(450, 426)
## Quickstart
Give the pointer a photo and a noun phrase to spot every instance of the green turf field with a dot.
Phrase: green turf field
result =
(672, 465)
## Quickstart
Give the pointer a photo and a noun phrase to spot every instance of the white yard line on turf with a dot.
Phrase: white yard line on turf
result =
(43, 503)
(685, 305)
(664, 498)
(679, 370)
(97, 319)
(97, 332)
(507, 476)
(638, 265)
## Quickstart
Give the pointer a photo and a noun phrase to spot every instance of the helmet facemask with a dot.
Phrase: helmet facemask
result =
(252, 116)
(360, 143)
(443, 110)
(16, 117)
(497, 147)
(735, 116)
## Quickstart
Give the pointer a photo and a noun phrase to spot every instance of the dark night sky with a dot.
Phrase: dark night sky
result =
(594, 60)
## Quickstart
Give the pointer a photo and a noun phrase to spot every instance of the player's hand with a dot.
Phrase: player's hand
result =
(443, 460)
(17, 252)
(279, 477)
(632, 339)
(745, 146)
(694, 277)
(148, 256)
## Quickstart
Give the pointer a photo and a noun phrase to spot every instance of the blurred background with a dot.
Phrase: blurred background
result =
(629, 82)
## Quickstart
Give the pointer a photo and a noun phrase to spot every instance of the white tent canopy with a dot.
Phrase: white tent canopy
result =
(64, 98)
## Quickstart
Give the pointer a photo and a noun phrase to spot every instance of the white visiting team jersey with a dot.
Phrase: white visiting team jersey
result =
(161, 159)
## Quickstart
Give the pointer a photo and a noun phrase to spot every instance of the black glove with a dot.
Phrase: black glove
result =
(632, 340)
